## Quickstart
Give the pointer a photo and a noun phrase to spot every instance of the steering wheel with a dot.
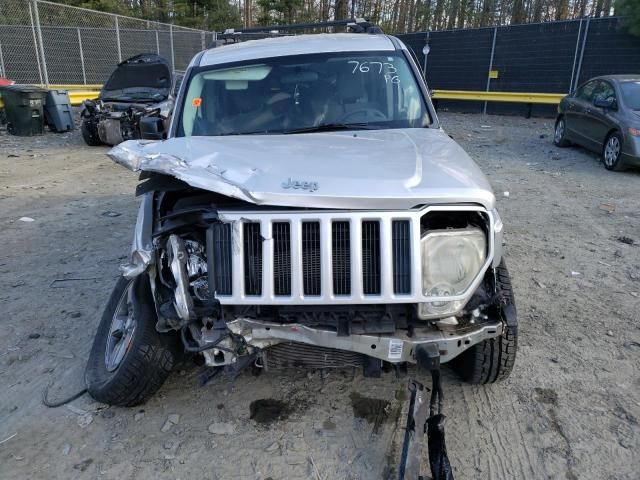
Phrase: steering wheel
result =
(370, 115)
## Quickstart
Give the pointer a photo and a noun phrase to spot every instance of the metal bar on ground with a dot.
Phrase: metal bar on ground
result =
(84, 73)
(493, 49)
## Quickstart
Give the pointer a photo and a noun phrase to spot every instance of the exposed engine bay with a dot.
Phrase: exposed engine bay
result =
(192, 242)
(140, 87)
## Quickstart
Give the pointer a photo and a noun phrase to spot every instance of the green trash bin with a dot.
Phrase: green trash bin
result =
(23, 106)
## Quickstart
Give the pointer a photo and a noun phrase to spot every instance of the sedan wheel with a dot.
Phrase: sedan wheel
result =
(612, 151)
(559, 134)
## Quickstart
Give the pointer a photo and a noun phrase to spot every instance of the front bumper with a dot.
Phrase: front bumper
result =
(396, 348)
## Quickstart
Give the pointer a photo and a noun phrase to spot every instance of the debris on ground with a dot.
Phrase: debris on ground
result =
(627, 240)
(26, 219)
(608, 207)
(111, 214)
(222, 428)
(539, 283)
(172, 420)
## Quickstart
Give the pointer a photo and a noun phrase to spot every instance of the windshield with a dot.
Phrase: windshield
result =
(631, 94)
(304, 93)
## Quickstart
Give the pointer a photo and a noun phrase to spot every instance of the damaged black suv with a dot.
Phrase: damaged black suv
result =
(139, 87)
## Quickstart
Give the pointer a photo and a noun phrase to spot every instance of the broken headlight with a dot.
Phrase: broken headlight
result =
(451, 259)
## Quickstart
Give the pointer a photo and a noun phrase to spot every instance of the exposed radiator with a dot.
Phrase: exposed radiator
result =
(291, 355)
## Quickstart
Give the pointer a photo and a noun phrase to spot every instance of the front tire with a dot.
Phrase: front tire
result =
(612, 152)
(492, 360)
(560, 134)
(89, 131)
(130, 359)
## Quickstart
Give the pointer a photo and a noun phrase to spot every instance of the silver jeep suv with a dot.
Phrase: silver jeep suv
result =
(306, 210)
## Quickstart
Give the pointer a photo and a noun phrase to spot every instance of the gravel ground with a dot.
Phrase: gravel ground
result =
(570, 409)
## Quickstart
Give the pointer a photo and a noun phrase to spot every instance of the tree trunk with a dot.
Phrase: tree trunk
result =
(597, 8)
(517, 15)
(453, 14)
(537, 11)
(462, 15)
(562, 9)
(488, 13)
(437, 15)
(341, 9)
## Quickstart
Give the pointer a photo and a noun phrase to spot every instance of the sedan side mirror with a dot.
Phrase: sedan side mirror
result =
(608, 103)
(152, 128)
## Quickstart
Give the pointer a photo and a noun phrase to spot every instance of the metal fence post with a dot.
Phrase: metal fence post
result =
(35, 41)
(3, 73)
(202, 40)
(173, 57)
(84, 73)
(157, 43)
(41, 44)
(493, 49)
(424, 67)
(575, 57)
(584, 42)
(118, 39)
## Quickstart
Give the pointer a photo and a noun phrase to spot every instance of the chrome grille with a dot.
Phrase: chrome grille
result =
(222, 258)
(371, 257)
(252, 259)
(318, 257)
(311, 258)
(341, 258)
(281, 258)
(401, 256)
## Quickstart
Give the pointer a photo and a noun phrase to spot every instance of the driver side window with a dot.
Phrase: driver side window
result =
(586, 92)
(605, 91)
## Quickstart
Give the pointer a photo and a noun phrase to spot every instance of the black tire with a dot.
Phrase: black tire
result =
(613, 159)
(560, 134)
(90, 133)
(147, 361)
(492, 360)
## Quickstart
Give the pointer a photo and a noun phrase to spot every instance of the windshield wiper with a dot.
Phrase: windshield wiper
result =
(329, 127)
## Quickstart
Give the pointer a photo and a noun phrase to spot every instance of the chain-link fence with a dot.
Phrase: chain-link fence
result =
(48, 43)
(551, 57)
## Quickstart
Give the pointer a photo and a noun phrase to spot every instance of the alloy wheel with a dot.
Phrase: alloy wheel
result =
(612, 151)
(559, 133)
(123, 325)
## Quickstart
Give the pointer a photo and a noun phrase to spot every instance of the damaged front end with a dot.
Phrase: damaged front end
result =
(138, 91)
(275, 287)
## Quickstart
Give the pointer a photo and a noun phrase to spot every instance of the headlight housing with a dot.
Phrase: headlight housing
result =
(451, 260)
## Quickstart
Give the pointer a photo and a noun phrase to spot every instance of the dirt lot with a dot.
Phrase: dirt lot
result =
(570, 410)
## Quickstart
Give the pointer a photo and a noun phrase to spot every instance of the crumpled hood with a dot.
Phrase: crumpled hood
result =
(371, 169)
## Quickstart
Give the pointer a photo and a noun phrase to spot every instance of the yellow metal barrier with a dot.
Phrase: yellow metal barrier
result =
(539, 98)
(79, 93)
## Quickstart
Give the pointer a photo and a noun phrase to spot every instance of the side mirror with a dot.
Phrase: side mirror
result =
(152, 128)
(607, 103)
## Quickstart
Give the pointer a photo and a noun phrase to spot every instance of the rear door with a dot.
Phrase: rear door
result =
(577, 107)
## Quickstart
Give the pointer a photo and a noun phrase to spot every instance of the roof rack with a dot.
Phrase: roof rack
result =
(356, 25)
